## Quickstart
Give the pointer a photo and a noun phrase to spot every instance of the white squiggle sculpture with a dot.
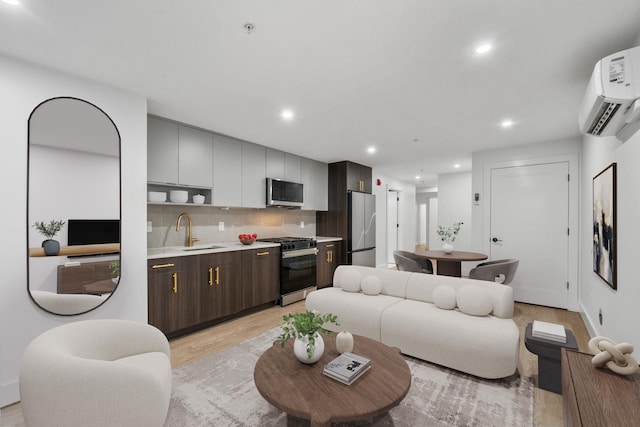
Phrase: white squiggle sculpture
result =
(616, 357)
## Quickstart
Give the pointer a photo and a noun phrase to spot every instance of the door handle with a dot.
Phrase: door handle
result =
(496, 240)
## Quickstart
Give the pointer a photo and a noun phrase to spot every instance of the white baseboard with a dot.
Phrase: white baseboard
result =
(9, 394)
(591, 328)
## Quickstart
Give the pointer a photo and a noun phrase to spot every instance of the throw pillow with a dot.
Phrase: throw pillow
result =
(474, 300)
(350, 280)
(444, 297)
(371, 285)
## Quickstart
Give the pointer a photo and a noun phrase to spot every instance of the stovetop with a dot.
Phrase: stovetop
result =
(292, 243)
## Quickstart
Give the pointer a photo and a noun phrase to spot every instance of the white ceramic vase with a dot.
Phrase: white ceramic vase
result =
(300, 349)
(344, 342)
(447, 247)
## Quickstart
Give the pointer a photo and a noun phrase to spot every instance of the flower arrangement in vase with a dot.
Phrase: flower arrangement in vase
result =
(306, 328)
(49, 230)
(448, 235)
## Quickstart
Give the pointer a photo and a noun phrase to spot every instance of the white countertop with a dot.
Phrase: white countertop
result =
(211, 248)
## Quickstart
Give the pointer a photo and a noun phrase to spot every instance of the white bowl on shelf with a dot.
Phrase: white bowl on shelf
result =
(157, 196)
(178, 196)
(198, 199)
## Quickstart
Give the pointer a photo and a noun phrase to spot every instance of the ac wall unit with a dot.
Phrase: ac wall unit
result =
(611, 105)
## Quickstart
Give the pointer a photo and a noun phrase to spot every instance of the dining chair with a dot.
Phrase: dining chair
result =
(501, 271)
(407, 261)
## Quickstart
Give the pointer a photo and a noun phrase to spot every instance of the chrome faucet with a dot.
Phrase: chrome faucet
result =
(190, 238)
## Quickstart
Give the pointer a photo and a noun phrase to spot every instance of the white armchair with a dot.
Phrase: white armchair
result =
(96, 373)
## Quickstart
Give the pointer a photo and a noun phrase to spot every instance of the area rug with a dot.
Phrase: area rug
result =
(218, 390)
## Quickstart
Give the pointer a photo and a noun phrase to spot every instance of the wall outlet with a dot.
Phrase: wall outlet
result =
(301, 224)
(149, 227)
(220, 225)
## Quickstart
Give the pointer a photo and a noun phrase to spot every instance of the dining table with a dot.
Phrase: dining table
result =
(450, 263)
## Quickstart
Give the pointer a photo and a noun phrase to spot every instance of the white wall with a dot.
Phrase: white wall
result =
(454, 205)
(22, 88)
(620, 307)
(406, 215)
(568, 150)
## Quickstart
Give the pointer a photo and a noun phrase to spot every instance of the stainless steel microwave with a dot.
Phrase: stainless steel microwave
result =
(284, 193)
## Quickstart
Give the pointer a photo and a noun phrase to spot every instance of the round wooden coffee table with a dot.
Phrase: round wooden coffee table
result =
(305, 392)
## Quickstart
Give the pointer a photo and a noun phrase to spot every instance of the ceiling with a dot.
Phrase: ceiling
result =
(401, 76)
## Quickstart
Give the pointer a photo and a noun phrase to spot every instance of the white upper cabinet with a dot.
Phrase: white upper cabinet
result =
(230, 172)
(284, 166)
(162, 151)
(178, 155)
(195, 157)
(292, 168)
(227, 171)
(254, 193)
(314, 177)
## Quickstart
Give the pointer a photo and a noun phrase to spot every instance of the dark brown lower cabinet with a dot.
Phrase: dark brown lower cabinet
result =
(220, 282)
(172, 292)
(260, 277)
(328, 257)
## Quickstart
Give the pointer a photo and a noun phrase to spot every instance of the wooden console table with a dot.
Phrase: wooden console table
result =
(596, 396)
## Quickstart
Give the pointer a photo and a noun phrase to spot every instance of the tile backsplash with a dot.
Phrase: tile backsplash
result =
(264, 222)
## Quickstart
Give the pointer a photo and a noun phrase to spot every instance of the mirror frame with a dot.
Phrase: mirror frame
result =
(28, 225)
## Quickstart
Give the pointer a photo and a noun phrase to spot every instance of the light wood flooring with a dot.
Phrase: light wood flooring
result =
(547, 405)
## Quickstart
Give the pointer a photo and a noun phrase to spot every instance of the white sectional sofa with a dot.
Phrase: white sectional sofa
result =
(463, 324)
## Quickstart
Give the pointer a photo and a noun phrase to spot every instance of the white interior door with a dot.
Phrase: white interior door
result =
(530, 222)
(392, 224)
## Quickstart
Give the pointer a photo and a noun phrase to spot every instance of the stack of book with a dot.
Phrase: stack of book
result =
(347, 368)
(549, 331)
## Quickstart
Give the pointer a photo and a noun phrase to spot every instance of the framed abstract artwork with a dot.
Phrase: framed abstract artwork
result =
(604, 225)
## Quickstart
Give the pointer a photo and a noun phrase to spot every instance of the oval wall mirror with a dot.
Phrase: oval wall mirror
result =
(73, 206)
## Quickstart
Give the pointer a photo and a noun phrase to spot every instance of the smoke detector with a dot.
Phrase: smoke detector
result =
(249, 27)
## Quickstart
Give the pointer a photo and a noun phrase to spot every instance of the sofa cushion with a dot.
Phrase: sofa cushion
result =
(474, 300)
(350, 281)
(371, 285)
(444, 297)
(394, 283)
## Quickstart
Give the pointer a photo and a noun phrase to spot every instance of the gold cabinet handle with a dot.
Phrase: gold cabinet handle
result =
(175, 283)
(210, 276)
(330, 256)
(169, 264)
(217, 275)
(262, 253)
(329, 246)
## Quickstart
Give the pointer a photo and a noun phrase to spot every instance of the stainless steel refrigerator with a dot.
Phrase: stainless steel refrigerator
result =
(361, 229)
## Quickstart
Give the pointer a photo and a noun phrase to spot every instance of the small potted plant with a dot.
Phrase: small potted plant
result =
(306, 328)
(114, 267)
(448, 236)
(49, 230)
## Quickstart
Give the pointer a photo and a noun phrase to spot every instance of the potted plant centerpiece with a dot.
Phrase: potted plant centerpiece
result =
(448, 236)
(306, 328)
(49, 230)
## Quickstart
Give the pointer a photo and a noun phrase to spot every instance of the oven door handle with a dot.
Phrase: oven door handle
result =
(299, 252)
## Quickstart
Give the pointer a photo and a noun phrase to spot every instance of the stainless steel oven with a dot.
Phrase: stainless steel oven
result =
(297, 267)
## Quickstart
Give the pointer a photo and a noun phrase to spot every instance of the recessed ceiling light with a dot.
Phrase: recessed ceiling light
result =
(287, 114)
(371, 150)
(457, 165)
(483, 48)
(11, 2)
(417, 176)
(507, 123)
